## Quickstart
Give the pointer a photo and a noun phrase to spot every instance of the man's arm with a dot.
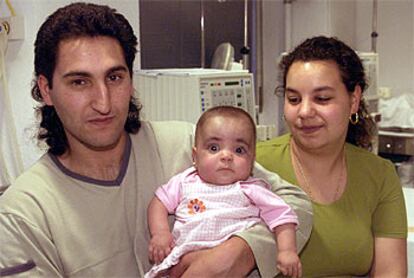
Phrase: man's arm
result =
(233, 258)
(25, 250)
(261, 240)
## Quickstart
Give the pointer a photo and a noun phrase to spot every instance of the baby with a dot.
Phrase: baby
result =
(218, 198)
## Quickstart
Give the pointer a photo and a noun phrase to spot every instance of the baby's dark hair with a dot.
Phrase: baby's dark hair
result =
(225, 111)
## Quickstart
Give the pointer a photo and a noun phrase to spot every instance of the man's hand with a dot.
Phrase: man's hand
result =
(160, 246)
(232, 258)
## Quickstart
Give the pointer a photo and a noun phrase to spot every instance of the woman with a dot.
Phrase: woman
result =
(360, 223)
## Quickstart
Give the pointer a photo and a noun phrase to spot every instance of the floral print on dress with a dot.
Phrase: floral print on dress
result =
(196, 206)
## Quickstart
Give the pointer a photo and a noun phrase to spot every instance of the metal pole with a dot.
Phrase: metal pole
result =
(374, 33)
(245, 50)
(203, 39)
(288, 24)
(259, 55)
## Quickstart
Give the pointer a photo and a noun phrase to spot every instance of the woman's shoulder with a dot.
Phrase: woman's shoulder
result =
(366, 168)
(274, 143)
(366, 158)
(274, 155)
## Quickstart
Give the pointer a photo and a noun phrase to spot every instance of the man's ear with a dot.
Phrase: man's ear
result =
(356, 99)
(44, 88)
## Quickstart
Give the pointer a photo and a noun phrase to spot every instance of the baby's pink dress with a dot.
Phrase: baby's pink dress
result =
(207, 214)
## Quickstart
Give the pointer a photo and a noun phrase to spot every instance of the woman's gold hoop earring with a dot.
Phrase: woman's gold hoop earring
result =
(354, 118)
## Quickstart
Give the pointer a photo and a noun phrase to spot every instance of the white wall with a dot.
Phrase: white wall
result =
(273, 46)
(19, 62)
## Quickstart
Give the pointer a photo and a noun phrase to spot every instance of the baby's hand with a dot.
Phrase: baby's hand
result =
(160, 246)
(289, 264)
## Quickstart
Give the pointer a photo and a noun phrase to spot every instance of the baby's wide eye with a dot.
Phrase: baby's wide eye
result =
(214, 148)
(240, 150)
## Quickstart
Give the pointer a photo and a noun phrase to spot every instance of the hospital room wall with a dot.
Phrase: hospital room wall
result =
(395, 47)
(19, 63)
(395, 43)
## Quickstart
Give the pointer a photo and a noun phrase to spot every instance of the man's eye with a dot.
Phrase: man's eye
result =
(240, 150)
(214, 148)
(78, 82)
(115, 77)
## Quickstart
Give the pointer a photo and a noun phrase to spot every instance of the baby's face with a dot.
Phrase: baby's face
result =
(225, 150)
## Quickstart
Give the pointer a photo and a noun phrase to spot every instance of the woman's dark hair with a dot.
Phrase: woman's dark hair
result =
(352, 73)
(72, 21)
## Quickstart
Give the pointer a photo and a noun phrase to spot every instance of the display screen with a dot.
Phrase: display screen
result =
(230, 83)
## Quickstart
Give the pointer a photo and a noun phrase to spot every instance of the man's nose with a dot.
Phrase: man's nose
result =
(102, 99)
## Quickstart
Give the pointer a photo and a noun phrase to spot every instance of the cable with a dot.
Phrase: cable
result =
(9, 5)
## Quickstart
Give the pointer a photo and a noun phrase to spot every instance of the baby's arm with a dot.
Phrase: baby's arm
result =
(162, 240)
(288, 261)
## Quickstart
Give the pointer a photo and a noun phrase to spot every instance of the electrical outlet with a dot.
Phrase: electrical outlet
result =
(16, 26)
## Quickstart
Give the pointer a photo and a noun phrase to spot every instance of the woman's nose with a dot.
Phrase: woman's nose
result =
(306, 108)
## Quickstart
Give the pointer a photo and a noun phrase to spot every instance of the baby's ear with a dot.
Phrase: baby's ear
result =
(194, 155)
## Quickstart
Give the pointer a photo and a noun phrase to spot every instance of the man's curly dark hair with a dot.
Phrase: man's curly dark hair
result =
(71, 21)
(351, 69)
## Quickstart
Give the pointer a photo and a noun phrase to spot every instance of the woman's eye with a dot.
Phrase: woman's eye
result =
(240, 150)
(293, 100)
(213, 148)
(323, 99)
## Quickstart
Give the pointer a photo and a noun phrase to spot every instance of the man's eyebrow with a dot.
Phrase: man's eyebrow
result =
(117, 68)
(87, 74)
(76, 73)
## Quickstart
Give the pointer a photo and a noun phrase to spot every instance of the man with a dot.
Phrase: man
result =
(81, 209)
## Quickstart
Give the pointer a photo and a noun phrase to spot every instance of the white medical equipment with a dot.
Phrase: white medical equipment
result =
(370, 63)
(185, 93)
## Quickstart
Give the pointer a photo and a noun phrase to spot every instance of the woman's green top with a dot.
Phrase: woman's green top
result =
(342, 239)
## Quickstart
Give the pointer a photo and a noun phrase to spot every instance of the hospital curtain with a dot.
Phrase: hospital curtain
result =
(11, 164)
